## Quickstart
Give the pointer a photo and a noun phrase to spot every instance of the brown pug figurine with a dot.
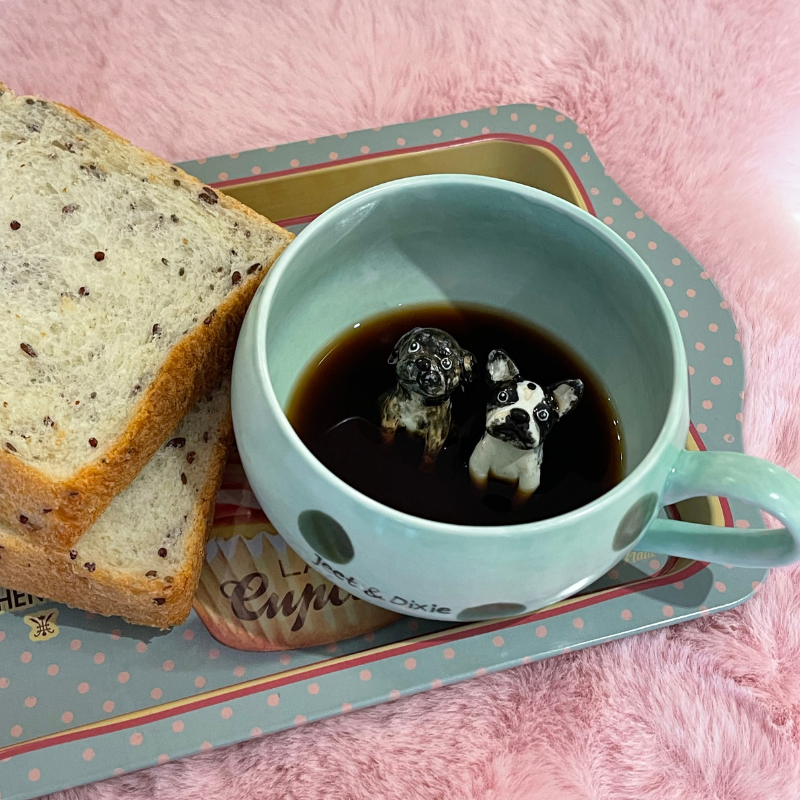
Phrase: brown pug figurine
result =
(430, 366)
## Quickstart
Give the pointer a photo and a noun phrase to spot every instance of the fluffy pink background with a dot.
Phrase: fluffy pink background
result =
(694, 106)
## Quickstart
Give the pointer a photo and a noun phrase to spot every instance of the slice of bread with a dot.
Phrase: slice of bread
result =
(142, 559)
(123, 283)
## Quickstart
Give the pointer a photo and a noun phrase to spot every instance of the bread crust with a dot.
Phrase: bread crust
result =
(57, 512)
(39, 570)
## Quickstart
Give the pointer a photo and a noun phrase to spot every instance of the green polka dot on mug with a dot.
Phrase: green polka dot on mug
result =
(635, 521)
(326, 536)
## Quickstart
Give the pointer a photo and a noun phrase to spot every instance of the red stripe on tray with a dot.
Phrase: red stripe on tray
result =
(497, 137)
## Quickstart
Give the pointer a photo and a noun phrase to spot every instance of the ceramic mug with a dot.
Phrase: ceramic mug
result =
(472, 239)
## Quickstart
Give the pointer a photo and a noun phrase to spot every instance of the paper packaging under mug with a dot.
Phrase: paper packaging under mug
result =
(471, 239)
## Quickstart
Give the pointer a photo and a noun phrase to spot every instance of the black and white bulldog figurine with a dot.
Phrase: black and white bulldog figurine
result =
(430, 365)
(519, 415)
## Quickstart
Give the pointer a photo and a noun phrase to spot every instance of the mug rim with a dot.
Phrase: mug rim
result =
(263, 303)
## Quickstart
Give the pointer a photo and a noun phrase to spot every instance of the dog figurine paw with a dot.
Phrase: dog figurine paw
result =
(430, 365)
(519, 415)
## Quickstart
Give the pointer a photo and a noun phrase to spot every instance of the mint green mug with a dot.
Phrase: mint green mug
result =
(468, 239)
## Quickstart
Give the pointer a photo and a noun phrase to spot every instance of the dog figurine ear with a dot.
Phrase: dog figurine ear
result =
(468, 364)
(567, 395)
(500, 367)
(401, 343)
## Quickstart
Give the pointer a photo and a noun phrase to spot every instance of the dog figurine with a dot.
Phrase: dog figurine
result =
(430, 365)
(519, 415)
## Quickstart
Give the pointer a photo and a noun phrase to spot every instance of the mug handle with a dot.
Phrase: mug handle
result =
(746, 478)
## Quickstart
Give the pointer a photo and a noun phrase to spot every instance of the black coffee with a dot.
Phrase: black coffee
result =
(335, 411)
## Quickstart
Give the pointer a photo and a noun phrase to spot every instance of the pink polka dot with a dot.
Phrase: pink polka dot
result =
(437, 132)
(83, 687)
(256, 170)
(707, 405)
(526, 659)
(594, 191)
(116, 633)
(395, 694)
(401, 141)
(676, 262)
(613, 574)
(410, 663)
(691, 369)
(683, 313)
(342, 135)
(156, 693)
(347, 707)
(364, 149)
(206, 746)
(34, 775)
(311, 141)
(729, 438)
(313, 688)
(560, 117)
(464, 124)
(16, 731)
(724, 304)
(136, 739)
(201, 161)
(737, 336)
(177, 726)
(238, 672)
(26, 657)
(331, 647)
(66, 717)
(271, 149)
(333, 155)
(99, 658)
(702, 427)
(742, 523)
(654, 563)
(626, 614)
(108, 706)
(699, 346)
(631, 235)
(668, 611)
(690, 292)
(577, 623)
(713, 327)
(52, 669)
(585, 157)
(169, 666)
(716, 380)
(30, 702)
(704, 275)
(369, 637)
(639, 215)
(755, 585)
(199, 681)
(449, 652)
(678, 585)
(498, 641)
(549, 137)
(568, 145)
(652, 245)
(532, 128)
(739, 417)
(365, 675)
(617, 201)
(300, 719)
(741, 395)
(256, 732)
(223, 176)
(294, 163)
(541, 631)
(273, 700)
(412, 624)
(608, 220)
(720, 586)
(162, 759)
(727, 361)
(436, 683)
(480, 672)
(75, 644)
(124, 677)
(285, 659)
(226, 712)
(141, 647)
(88, 754)
(668, 282)
(514, 118)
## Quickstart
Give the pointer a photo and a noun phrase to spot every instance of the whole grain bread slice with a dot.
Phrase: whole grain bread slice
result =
(123, 283)
(142, 558)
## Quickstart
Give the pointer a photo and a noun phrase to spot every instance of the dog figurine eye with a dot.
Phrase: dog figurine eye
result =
(503, 396)
(542, 414)
(413, 347)
(446, 363)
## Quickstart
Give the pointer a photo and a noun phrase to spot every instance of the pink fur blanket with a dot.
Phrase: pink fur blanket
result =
(694, 106)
